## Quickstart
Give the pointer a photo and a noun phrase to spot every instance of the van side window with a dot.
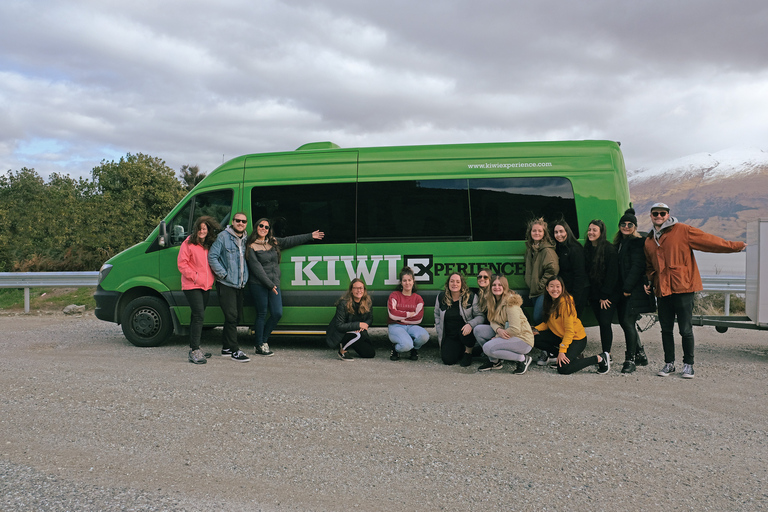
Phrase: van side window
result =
(430, 210)
(501, 207)
(298, 209)
(217, 204)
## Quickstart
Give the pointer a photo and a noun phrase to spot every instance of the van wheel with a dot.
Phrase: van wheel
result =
(147, 322)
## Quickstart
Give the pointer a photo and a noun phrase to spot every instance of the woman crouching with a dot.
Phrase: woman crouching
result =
(562, 332)
(349, 326)
(513, 335)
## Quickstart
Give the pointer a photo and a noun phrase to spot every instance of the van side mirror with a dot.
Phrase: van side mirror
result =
(162, 238)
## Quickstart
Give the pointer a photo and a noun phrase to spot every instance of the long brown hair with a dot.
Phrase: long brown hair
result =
(464, 292)
(365, 300)
(270, 238)
(213, 231)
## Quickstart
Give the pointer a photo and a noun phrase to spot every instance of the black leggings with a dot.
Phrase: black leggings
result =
(549, 341)
(363, 346)
(453, 347)
(198, 300)
(604, 319)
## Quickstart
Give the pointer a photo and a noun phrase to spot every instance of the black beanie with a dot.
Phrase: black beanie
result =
(629, 216)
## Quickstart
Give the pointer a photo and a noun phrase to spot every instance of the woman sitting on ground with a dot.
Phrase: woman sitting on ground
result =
(349, 326)
(483, 331)
(405, 310)
(562, 332)
(514, 337)
(457, 312)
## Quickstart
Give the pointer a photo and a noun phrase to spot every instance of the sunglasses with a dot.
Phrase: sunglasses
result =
(659, 214)
(482, 277)
(242, 221)
(263, 226)
(626, 225)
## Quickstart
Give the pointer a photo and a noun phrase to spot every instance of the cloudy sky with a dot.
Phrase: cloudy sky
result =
(197, 82)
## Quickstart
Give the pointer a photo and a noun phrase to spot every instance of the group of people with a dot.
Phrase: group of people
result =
(233, 260)
(631, 275)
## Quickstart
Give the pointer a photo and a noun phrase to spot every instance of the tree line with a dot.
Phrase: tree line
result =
(68, 224)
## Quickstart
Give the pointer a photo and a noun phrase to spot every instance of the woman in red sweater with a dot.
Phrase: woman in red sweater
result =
(405, 309)
(197, 279)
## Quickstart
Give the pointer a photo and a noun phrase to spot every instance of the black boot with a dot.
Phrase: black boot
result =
(640, 358)
(629, 363)
(394, 355)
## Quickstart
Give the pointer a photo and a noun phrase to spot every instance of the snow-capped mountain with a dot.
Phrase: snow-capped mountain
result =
(718, 192)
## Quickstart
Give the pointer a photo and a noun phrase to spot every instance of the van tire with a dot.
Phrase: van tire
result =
(146, 322)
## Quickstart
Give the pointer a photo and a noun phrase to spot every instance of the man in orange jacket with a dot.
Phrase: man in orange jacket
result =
(674, 275)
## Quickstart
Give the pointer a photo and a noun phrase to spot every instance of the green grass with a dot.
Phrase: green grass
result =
(12, 299)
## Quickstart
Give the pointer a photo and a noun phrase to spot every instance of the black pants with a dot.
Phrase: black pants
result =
(231, 302)
(363, 347)
(604, 319)
(198, 300)
(627, 320)
(454, 345)
(678, 305)
(549, 341)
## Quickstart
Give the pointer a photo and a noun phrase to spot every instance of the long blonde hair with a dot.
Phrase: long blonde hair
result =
(365, 300)
(496, 307)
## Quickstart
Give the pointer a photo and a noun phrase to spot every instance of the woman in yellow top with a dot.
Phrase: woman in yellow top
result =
(563, 333)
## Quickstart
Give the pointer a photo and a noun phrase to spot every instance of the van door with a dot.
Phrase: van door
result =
(302, 192)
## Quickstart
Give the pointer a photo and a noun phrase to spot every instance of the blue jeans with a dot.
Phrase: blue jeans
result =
(265, 300)
(407, 337)
(538, 309)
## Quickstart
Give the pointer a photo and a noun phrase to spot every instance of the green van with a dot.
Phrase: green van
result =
(438, 209)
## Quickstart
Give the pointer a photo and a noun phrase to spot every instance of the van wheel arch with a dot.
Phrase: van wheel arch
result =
(147, 321)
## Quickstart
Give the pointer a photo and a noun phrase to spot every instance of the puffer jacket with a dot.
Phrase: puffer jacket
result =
(670, 264)
(541, 263)
(344, 321)
(517, 324)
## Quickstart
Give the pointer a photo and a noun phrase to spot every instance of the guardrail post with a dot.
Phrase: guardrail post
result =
(727, 306)
(26, 300)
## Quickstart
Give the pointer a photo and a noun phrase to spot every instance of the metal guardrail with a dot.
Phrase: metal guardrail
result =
(29, 280)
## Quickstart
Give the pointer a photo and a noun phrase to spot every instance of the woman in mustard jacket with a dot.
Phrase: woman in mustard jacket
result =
(562, 332)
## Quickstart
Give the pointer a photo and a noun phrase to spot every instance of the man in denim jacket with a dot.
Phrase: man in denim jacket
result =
(227, 260)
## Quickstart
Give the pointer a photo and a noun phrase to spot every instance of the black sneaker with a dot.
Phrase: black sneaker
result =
(666, 370)
(226, 352)
(263, 350)
(522, 366)
(640, 358)
(628, 367)
(394, 355)
(345, 356)
(490, 365)
(687, 371)
(414, 355)
(543, 358)
(240, 357)
(605, 365)
(466, 360)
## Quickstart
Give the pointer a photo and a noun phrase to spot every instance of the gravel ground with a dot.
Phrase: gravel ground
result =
(89, 422)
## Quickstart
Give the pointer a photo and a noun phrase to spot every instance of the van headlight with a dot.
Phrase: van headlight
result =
(104, 271)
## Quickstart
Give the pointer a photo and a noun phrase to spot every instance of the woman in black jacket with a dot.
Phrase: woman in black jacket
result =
(602, 265)
(633, 299)
(349, 326)
(572, 268)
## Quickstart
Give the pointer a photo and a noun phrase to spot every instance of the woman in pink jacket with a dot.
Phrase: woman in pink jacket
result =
(197, 279)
